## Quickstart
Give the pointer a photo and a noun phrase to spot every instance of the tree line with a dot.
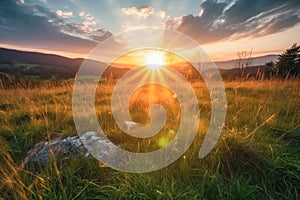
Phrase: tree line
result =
(287, 65)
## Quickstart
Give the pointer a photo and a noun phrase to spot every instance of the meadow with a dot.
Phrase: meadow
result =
(257, 156)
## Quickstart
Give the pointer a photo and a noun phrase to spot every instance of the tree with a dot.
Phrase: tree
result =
(269, 69)
(288, 64)
(244, 60)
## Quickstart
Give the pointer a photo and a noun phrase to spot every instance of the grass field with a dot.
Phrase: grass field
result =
(257, 156)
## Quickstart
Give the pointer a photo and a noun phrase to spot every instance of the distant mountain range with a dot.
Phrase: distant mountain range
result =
(255, 61)
(49, 65)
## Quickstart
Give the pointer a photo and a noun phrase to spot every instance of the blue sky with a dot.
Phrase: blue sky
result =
(74, 27)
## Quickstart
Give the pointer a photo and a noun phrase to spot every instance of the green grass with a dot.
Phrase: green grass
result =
(257, 156)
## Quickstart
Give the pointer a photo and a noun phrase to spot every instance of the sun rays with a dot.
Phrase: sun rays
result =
(155, 60)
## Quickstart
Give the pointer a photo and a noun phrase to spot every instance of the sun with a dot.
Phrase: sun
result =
(155, 60)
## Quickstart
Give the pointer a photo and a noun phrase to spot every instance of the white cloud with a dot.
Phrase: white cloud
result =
(218, 22)
(81, 14)
(64, 14)
(86, 26)
(78, 29)
(129, 27)
(87, 17)
(144, 16)
(89, 23)
(140, 12)
(162, 14)
(201, 12)
(144, 12)
(174, 23)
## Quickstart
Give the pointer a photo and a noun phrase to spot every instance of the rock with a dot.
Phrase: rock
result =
(65, 148)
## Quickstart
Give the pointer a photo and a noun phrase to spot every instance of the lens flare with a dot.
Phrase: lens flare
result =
(155, 60)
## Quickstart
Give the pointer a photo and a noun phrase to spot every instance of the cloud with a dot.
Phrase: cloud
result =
(37, 27)
(76, 28)
(142, 16)
(86, 16)
(22, 1)
(282, 23)
(144, 12)
(100, 38)
(140, 12)
(64, 14)
(219, 20)
(161, 14)
(173, 23)
(81, 14)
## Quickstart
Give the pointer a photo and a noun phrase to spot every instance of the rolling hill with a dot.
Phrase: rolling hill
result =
(48, 65)
(40, 65)
(256, 61)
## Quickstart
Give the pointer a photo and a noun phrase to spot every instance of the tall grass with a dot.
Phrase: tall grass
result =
(257, 156)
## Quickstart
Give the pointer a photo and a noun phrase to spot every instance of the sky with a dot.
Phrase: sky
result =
(73, 28)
